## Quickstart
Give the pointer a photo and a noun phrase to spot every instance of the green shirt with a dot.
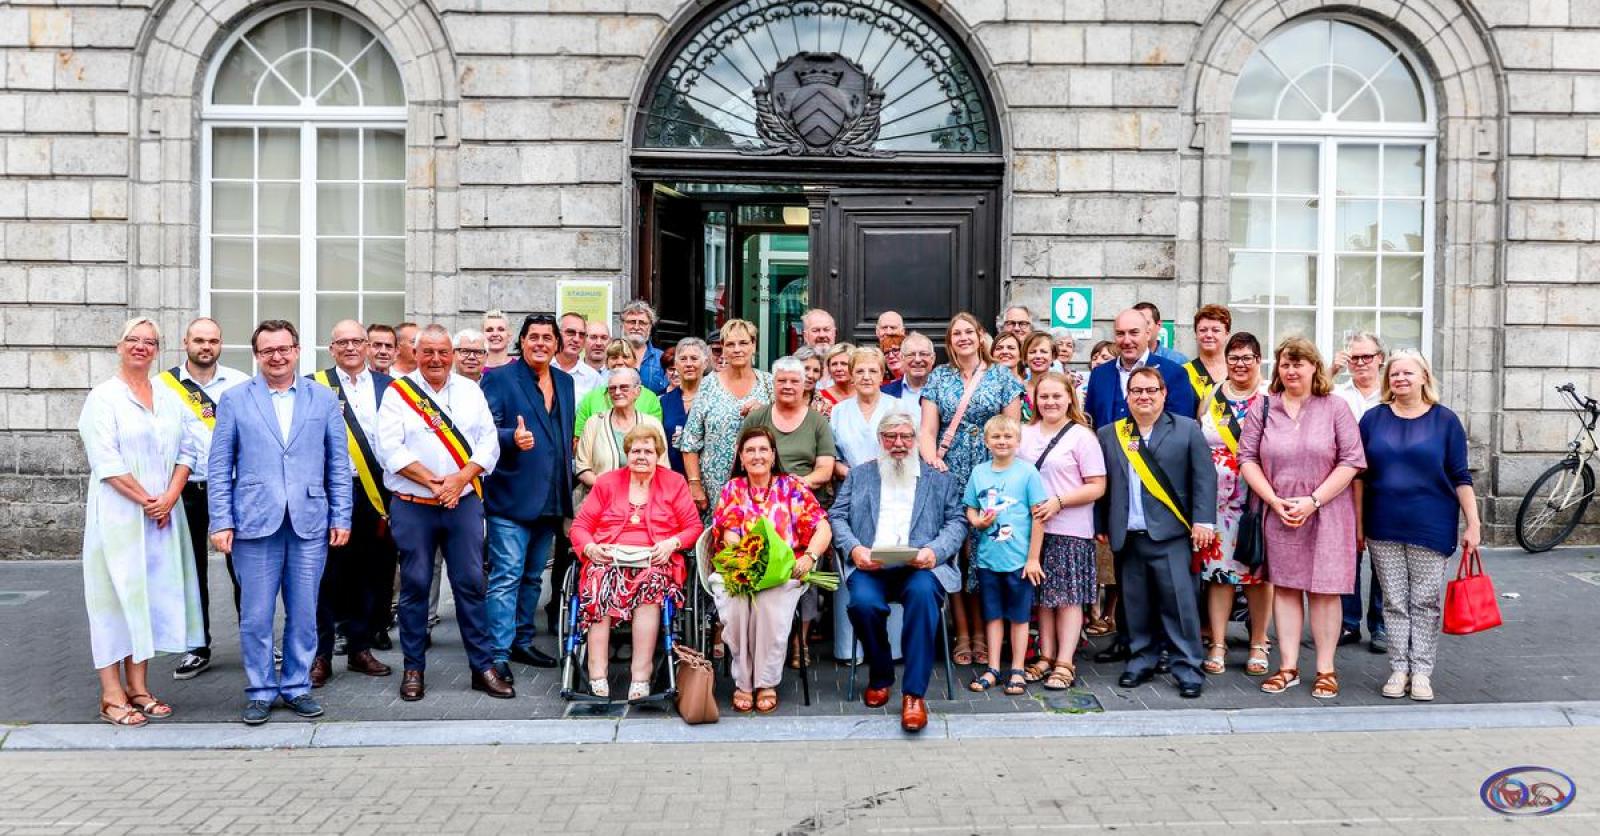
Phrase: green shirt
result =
(599, 400)
(798, 451)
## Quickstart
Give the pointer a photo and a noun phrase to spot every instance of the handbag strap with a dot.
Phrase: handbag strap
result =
(961, 407)
(1471, 565)
(1038, 464)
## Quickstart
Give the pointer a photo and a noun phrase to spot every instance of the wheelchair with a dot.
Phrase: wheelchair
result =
(706, 618)
(678, 623)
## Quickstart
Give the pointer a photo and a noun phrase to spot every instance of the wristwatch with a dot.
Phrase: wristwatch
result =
(1316, 502)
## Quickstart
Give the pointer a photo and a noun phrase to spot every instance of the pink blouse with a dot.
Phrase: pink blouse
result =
(788, 504)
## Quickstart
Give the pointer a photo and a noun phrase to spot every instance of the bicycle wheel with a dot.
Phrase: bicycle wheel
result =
(1554, 505)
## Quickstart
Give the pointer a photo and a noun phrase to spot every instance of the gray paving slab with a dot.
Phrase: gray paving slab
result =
(463, 732)
(45, 736)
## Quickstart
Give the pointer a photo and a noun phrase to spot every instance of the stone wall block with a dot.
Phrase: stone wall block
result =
(100, 242)
(58, 198)
(35, 241)
(1053, 44)
(1525, 49)
(85, 156)
(58, 370)
(1084, 172)
(1542, 92)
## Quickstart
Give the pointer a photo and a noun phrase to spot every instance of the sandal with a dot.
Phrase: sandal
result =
(1257, 665)
(638, 690)
(800, 654)
(1281, 681)
(984, 681)
(1016, 683)
(766, 700)
(743, 702)
(962, 653)
(600, 687)
(151, 708)
(1326, 685)
(1215, 662)
(131, 717)
(1101, 627)
(1038, 670)
(1061, 677)
(980, 652)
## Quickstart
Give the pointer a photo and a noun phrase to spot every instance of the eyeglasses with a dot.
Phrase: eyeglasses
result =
(1242, 359)
(472, 352)
(147, 343)
(1143, 390)
(349, 342)
(621, 387)
(1363, 359)
(897, 436)
(572, 332)
(279, 351)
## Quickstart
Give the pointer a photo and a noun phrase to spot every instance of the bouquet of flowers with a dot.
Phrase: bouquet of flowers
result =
(762, 560)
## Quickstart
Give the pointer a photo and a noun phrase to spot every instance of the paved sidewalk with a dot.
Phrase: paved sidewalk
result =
(1541, 654)
(1413, 782)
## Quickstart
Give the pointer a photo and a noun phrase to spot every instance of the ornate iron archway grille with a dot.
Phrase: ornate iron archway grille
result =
(707, 95)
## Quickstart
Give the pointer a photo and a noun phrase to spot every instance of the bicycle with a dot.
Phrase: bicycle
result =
(1566, 488)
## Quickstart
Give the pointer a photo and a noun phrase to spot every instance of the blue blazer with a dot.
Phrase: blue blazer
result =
(256, 478)
(1106, 404)
(538, 483)
(937, 519)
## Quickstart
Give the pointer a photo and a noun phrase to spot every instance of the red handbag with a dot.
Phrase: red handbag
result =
(1469, 601)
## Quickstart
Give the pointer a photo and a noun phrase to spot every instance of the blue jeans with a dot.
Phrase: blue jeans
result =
(281, 561)
(1352, 604)
(921, 596)
(517, 554)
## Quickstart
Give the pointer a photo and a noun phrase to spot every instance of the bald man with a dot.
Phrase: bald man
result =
(1107, 399)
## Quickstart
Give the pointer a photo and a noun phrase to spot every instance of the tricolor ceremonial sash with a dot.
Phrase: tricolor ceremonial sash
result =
(439, 422)
(1199, 379)
(199, 402)
(1224, 419)
(360, 449)
(1150, 474)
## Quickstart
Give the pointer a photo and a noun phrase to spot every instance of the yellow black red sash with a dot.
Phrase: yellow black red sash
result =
(1224, 419)
(199, 402)
(1150, 474)
(439, 422)
(1199, 379)
(366, 462)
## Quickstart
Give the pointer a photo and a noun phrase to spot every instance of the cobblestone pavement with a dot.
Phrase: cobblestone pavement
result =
(44, 652)
(1411, 782)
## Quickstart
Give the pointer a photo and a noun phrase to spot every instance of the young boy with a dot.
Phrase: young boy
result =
(1000, 498)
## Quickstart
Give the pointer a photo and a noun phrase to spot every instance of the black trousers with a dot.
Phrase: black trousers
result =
(357, 580)
(1158, 594)
(198, 516)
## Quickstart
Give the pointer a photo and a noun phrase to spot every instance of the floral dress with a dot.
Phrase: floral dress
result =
(1215, 563)
(788, 504)
(712, 428)
(996, 389)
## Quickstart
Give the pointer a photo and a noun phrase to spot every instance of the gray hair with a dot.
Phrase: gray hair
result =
(623, 372)
(896, 418)
(640, 306)
(915, 336)
(694, 344)
(1372, 338)
(468, 335)
(1061, 334)
(806, 352)
(789, 364)
(638, 341)
(1001, 319)
(432, 329)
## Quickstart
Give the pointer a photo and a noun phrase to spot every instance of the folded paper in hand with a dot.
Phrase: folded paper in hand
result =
(895, 556)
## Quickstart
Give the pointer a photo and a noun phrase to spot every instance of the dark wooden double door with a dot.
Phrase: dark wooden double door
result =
(927, 253)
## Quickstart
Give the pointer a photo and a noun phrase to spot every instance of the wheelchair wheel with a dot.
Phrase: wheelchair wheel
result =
(569, 641)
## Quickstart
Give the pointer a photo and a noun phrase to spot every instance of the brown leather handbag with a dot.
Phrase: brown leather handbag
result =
(697, 696)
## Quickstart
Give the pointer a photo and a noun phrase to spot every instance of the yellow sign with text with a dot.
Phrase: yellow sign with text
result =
(591, 299)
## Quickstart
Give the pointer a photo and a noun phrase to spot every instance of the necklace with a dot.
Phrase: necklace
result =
(634, 509)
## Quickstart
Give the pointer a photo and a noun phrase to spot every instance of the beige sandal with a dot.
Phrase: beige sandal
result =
(130, 718)
(1257, 665)
(1216, 660)
(1061, 677)
(1037, 671)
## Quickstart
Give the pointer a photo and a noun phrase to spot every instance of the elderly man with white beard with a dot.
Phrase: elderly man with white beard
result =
(895, 502)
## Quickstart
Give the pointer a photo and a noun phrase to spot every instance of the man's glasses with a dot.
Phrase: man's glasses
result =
(1363, 359)
(1144, 390)
(279, 351)
(472, 352)
(349, 342)
(897, 436)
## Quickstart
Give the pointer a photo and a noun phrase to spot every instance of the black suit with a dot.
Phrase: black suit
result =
(1153, 557)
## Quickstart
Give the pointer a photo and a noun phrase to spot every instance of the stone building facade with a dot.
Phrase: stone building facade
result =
(513, 143)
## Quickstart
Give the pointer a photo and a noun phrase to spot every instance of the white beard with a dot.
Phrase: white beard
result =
(899, 474)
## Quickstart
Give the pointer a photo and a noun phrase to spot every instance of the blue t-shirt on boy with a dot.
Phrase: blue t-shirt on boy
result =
(1011, 493)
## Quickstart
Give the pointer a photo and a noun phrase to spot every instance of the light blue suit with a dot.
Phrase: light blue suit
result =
(279, 498)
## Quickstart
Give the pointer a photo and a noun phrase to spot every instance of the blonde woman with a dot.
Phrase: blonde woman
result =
(736, 390)
(837, 363)
(497, 338)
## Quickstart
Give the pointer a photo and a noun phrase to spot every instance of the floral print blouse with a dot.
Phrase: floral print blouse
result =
(787, 503)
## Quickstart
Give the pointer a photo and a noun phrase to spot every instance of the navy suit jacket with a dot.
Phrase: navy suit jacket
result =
(380, 384)
(257, 478)
(1106, 404)
(527, 485)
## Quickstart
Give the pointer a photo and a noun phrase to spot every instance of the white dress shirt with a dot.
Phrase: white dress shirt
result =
(361, 399)
(283, 407)
(1359, 403)
(1124, 374)
(584, 378)
(224, 379)
(894, 516)
(405, 438)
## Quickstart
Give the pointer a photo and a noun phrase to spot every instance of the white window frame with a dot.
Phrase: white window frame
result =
(1329, 135)
(307, 119)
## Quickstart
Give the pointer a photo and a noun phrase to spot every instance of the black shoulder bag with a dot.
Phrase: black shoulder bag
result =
(1250, 545)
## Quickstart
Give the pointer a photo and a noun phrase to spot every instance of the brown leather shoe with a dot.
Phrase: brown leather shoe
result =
(913, 713)
(321, 669)
(365, 662)
(875, 697)
(411, 688)
(490, 683)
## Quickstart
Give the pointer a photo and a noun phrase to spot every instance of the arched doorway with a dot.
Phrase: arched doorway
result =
(843, 155)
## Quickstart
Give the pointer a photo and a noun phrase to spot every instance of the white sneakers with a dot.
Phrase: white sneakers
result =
(1395, 688)
(1421, 688)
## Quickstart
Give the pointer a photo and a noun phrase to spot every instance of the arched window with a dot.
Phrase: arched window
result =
(824, 77)
(1331, 209)
(304, 160)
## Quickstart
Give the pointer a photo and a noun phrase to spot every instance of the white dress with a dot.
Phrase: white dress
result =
(139, 581)
(855, 435)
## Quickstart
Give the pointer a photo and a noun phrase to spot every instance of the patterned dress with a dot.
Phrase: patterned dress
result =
(996, 389)
(1215, 563)
(139, 581)
(788, 504)
(712, 428)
